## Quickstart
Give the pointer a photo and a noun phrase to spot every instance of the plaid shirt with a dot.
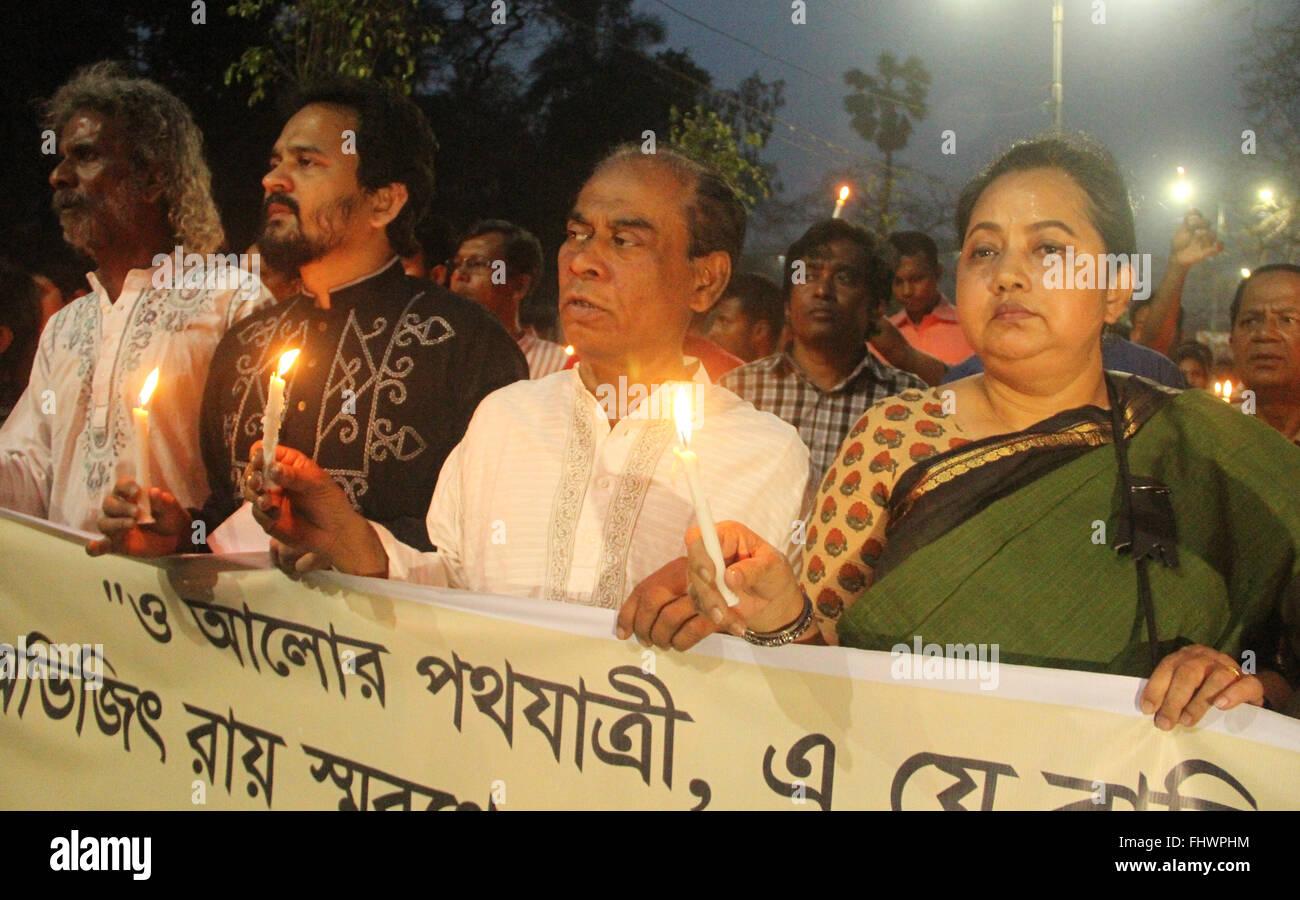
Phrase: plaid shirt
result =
(777, 385)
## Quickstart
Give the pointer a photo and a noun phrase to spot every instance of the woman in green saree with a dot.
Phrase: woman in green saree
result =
(992, 512)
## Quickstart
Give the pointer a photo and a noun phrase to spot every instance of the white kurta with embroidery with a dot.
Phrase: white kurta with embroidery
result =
(543, 499)
(71, 435)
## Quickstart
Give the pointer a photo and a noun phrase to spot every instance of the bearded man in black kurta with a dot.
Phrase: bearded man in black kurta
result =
(383, 388)
(390, 368)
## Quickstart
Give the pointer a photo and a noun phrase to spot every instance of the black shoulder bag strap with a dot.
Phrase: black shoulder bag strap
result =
(1146, 521)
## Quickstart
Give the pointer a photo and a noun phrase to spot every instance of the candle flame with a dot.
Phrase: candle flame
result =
(147, 391)
(682, 413)
(844, 193)
(1227, 390)
(287, 359)
(568, 350)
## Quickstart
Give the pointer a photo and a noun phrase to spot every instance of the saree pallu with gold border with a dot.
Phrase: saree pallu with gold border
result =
(1007, 540)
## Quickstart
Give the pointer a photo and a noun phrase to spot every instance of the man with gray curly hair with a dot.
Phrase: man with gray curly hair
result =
(133, 193)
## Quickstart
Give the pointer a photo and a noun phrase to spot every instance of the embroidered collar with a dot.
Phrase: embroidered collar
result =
(382, 284)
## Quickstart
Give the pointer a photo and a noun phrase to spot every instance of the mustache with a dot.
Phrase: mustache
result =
(283, 199)
(65, 200)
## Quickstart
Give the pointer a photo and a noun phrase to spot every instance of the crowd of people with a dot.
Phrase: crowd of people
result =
(1004, 467)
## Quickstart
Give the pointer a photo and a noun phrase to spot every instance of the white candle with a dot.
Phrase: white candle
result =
(274, 414)
(839, 204)
(703, 515)
(140, 419)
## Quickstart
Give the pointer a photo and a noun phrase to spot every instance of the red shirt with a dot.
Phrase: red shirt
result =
(717, 361)
(939, 334)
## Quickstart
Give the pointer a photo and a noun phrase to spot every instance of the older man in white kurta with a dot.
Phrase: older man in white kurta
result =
(544, 498)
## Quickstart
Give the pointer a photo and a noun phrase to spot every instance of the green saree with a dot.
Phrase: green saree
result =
(1008, 541)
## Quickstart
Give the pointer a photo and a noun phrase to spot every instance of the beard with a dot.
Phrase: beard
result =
(91, 222)
(286, 249)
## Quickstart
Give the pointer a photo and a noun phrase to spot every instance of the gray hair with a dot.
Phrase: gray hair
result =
(162, 141)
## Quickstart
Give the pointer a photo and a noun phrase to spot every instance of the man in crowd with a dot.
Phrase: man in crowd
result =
(927, 320)
(1265, 343)
(748, 321)
(498, 264)
(556, 492)
(436, 246)
(390, 367)
(836, 282)
(1196, 362)
(1158, 323)
(131, 186)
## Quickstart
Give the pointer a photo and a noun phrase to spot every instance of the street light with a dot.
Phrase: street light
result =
(1182, 189)
(1058, 89)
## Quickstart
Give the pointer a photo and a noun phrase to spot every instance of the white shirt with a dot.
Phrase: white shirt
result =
(71, 435)
(543, 499)
(544, 357)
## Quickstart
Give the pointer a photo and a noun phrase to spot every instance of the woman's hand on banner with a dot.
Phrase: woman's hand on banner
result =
(1187, 682)
(756, 572)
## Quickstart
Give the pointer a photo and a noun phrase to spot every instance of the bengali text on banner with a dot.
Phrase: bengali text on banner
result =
(215, 683)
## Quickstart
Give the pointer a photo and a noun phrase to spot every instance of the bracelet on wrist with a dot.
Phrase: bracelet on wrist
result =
(787, 635)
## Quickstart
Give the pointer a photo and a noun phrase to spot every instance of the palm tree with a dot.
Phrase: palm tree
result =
(883, 107)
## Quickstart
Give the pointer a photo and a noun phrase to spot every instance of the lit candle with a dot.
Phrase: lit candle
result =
(839, 204)
(140, 418)
(274, 413)
(1227, 391)
(703, 515)
(1218, 388)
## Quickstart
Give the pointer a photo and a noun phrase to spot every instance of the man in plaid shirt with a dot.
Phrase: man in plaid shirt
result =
(836, 283)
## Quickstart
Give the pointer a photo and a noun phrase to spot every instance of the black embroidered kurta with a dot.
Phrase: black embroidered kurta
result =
(383, 389)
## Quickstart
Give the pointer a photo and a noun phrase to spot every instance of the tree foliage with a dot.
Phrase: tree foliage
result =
(380, 39)
(1271, 88)
(702, 133)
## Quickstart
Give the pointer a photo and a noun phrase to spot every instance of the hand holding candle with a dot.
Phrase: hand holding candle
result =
(274, 414)
(703, 515)
(140, 418)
